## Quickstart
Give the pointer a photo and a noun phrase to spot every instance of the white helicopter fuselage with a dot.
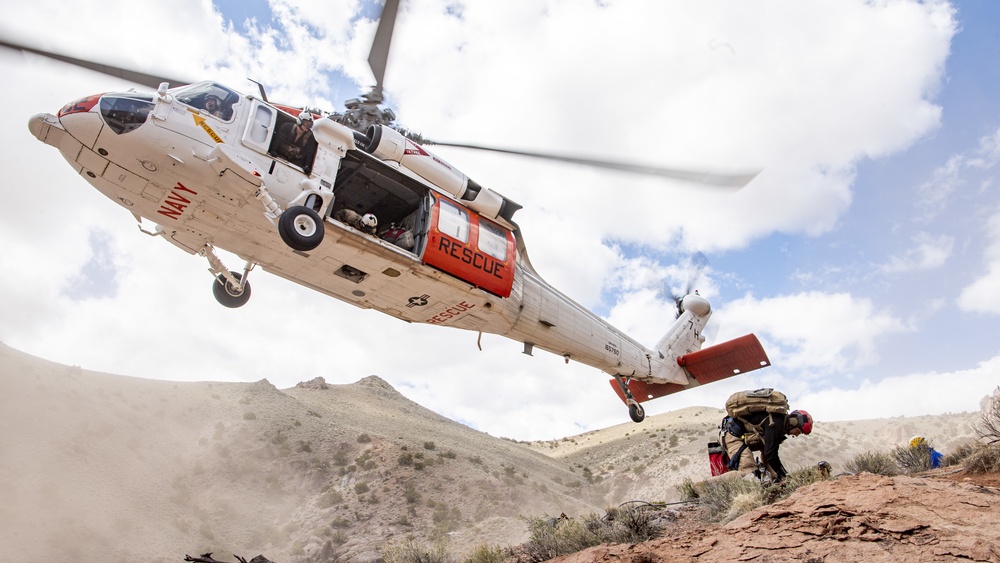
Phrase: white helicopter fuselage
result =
(222, 181)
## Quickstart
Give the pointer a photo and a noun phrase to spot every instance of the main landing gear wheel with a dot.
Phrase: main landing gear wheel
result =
(636, 412)
(300, 228)
(229, 295)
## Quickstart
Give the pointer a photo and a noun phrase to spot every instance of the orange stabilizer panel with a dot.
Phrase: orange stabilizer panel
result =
(734, 357)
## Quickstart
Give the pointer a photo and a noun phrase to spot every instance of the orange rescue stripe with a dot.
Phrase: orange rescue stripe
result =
(466, 262)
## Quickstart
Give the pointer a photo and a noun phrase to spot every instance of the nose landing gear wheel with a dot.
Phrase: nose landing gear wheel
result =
(636, 412)
(300, 228)
(229, 295)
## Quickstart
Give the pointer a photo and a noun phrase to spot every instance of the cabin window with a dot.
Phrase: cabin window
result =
(453, 222)
(492, 240)
(212, 99)
(125, 112)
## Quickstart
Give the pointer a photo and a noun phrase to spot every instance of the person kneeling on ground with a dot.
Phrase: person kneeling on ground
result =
(763, 432)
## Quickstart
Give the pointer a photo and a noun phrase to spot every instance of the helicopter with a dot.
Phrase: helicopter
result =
(209, 167)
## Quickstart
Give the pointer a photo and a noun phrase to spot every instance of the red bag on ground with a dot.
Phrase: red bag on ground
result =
(717, 459)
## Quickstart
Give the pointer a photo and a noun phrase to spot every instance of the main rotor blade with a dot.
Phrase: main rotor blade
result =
(150, 80)
(697, 176)
(379, 55)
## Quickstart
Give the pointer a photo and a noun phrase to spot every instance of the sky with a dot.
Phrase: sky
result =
(865, 255)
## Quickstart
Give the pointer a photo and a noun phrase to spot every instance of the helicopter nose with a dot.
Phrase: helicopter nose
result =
(81, 120)
(48, 129)
(74, 131)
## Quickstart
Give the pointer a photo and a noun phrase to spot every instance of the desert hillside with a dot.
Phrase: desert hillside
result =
(107, 467)
(646, 461)
(104, 467)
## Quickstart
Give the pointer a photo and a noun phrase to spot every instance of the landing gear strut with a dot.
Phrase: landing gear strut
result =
(635, 410)
(301, 228)
(230, 295)
(231, 289)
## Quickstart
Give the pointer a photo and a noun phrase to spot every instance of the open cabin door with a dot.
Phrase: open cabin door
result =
(470, 247)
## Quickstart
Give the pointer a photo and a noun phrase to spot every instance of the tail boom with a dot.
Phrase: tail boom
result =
(721, 361)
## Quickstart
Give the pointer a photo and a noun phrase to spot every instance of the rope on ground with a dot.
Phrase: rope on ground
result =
(658, 504)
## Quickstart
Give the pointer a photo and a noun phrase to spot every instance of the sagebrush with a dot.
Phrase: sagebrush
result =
(728, 497)
(552, 537)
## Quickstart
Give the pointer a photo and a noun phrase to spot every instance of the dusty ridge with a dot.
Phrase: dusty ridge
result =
(647, 461)
(105, 467)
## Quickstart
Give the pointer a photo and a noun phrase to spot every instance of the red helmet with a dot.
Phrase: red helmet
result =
(805, 420)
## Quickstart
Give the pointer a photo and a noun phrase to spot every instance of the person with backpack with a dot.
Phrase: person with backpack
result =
(759, 421)
(934, 457)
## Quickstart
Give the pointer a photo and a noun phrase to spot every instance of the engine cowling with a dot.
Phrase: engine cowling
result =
(388, 144)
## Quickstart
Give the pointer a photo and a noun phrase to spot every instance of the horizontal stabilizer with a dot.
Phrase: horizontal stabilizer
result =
(730, 358)
(734, 357)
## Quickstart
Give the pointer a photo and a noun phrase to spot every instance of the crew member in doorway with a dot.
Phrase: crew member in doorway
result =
(296, 143)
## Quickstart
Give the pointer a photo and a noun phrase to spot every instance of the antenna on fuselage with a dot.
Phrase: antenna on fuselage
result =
(263, 94)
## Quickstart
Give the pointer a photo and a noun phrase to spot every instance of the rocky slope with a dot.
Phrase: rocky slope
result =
(104, 467)
(852, 518)
(96, 466)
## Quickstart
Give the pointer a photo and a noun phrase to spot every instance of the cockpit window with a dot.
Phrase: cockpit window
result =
(125, 112)
(209, 97)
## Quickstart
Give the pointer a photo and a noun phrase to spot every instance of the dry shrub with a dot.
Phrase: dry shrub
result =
(412, 552)
(985, 459)
(729, 497)
(989, 419)
(721, 500)
(879, 463)
(549, 538)
(958, 455)
(488, 554)
(552, 537)
(688, 490)
(913, 459)
(632, 524)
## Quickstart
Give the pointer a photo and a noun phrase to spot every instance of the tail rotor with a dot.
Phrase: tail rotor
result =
(696, 265)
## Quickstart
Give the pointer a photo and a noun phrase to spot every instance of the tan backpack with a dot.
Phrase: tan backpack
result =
(743, 403)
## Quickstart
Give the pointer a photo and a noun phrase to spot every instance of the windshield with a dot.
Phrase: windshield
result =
(125, 112)
(209, 97)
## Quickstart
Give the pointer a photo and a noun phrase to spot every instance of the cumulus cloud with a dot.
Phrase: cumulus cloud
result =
(814, 332)
(906, 395)
(928, 252)
(935, 195)
(983, 294)
(773, 87)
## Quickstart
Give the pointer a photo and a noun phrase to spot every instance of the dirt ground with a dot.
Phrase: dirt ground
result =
(944, 516)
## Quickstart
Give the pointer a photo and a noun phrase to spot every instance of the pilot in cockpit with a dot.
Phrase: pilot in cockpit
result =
(213, 105)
